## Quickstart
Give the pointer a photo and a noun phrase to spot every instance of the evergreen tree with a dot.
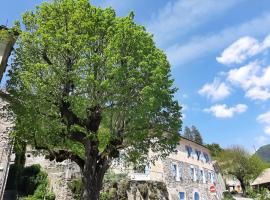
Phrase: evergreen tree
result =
(196, 135)
(188, 134)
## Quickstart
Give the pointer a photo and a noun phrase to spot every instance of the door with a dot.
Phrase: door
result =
(196, 196)
(181, 195)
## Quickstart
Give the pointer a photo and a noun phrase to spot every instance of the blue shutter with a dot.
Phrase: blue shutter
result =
(181, 195)
(196, 196)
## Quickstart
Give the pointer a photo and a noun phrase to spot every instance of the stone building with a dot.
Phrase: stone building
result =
(7, 40)
(189, 173)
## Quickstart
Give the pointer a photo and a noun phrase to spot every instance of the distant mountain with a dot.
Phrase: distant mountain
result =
(264, 152)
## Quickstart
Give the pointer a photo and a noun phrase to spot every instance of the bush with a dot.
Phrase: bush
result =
(251, 193)
(76, 187)
(227, 196)
(29, 180)
(33, 184)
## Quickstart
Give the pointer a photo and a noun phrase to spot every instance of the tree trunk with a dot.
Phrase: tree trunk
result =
(93, 174)
(243, 186)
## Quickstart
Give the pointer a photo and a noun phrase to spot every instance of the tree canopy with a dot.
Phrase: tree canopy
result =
(87, 84)
(215, 150)
(236, 161)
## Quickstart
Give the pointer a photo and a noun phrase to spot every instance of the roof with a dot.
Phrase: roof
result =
(263, 178)
(193, 141)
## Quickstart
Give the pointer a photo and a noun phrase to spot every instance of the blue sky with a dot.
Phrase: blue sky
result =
(219, 53)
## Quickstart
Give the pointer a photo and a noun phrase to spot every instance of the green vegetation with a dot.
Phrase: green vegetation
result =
(9, 34)
(33, 184)
(86, 84)
(227, 196)
(261, 194)
(193, 134)
(264, 153)
(237, 162)
(215, 150)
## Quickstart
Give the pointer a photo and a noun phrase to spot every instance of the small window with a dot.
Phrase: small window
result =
(195, 175)
(207, 160)
(203, 176)
(198, 153)
(174, 170)
(180, 172)
(191, 173)
(144, 169)
(189, 150)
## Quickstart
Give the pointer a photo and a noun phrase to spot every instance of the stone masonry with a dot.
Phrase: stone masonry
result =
(5, 146)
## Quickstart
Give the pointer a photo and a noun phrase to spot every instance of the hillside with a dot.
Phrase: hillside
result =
(264, 152)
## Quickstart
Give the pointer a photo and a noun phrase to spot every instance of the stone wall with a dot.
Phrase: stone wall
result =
(59, 174)
(5, 145)
(186, 183)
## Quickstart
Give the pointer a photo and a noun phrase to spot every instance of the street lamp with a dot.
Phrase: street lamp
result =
(7, 40)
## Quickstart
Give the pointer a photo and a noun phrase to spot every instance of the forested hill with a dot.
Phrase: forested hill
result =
(264, 152)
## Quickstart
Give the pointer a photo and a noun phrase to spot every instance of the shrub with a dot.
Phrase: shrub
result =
(33, 184)
(251, 193)
(227, 196)
(76, 187)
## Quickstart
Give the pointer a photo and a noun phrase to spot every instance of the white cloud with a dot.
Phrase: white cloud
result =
(239, 51)
(265, 119)
(258, 93)
(254, 79)
(267, 130)
(200, 46)
(244, 76)
(215, 91)
(223, 111)
(179, 17)
(261, 140)
(242, 49)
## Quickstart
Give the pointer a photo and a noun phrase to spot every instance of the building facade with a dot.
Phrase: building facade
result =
(189, 173)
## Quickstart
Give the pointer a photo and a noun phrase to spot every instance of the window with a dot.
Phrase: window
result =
(193, 173)
(203, 177)
(211, 177)
(174, 170)
(180, 172)
(198, 153)
(181, 195)
(144, 169)
(189, 150)
(207, 160)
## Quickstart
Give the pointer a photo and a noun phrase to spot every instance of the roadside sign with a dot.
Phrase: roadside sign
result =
(213, 189)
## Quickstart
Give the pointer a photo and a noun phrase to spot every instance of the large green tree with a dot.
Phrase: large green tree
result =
(86, 85)
(236, 161)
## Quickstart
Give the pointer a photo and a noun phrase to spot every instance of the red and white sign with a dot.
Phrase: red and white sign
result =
(213, 189)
